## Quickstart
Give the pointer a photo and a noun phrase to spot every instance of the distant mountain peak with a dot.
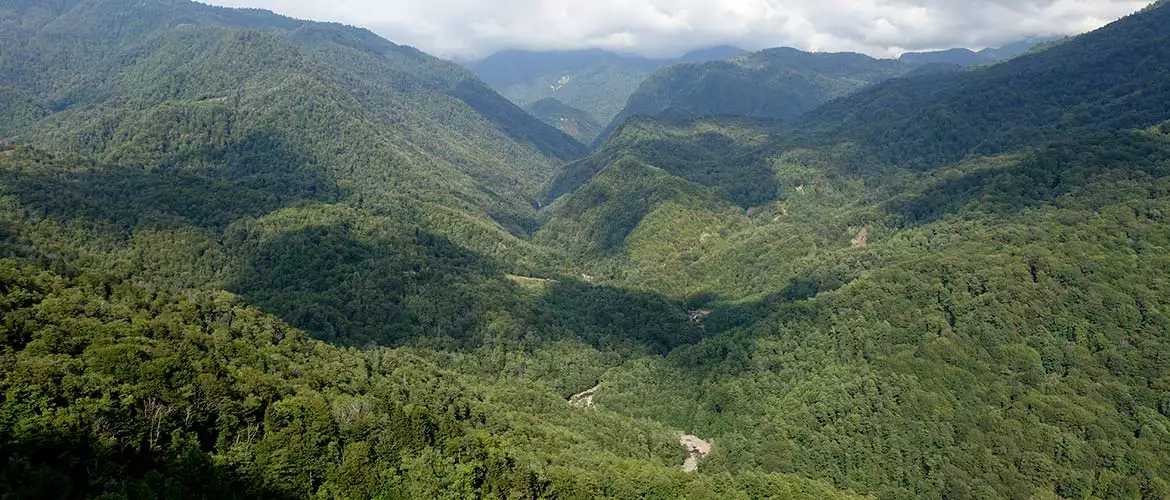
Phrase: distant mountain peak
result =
(595, 81)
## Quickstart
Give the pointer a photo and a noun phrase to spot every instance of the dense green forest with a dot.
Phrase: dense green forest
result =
(248, 256)
(893, 322)
(854, 333)
(231, 90)
(117, 390)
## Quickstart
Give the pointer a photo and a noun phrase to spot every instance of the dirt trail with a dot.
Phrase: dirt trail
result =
(697, 449)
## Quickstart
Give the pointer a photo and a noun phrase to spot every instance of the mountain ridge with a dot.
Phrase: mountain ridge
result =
(451, 119)
(595, 81)
(968, 57)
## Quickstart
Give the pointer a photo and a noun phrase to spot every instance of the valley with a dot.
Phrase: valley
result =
(249, 256)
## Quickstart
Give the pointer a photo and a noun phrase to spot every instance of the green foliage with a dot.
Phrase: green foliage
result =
(118, 391)
(113, 390)
(600, 216)
(310, 262)
(725, 155)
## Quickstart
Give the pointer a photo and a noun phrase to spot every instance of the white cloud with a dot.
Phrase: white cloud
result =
(472, 28)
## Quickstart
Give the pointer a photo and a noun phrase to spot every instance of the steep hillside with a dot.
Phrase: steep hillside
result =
(724, 155)
(180, 80)
(594, 81)
(776, 84)
(348, 185)
(998, 309)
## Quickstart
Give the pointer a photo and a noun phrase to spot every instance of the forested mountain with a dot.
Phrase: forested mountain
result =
(134, 83)
(594, 81)
(245, 256)
(205, 208)
(776, 83)
(968, 57)
(990, 327)
(1110, 79)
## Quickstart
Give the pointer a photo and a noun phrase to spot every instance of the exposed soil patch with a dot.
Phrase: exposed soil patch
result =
(862, 238)
(698, 315)
(535, 285)
(584, 399)
(697, 449)
(525, 280)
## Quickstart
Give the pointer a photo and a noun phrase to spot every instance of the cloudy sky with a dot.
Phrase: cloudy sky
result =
(475, 28)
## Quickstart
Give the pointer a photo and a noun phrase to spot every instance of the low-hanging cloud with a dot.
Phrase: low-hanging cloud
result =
(475, 28)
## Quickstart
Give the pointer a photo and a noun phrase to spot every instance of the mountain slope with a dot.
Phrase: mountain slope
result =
(222, 185)
(990, 327)
(216, 77)
(775, 84)
(993, 310)
(242, 159)
(831, 316)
